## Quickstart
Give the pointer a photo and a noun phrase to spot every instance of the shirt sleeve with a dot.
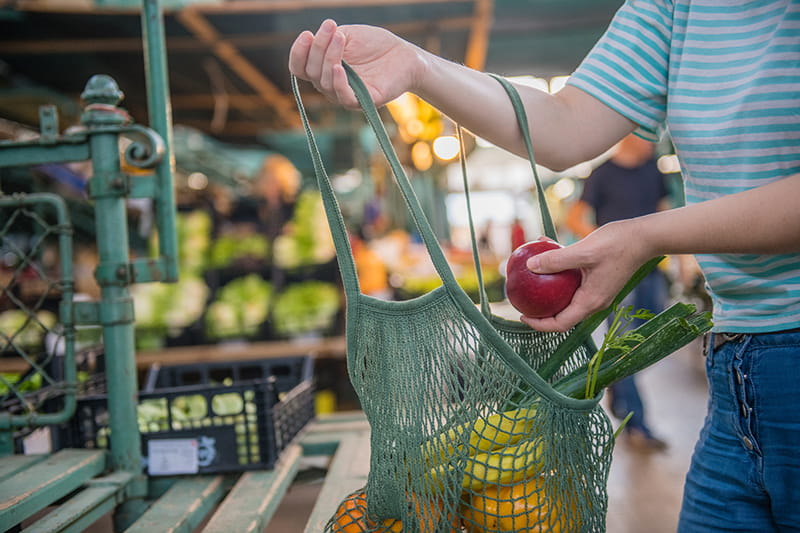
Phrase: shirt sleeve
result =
(627, 68)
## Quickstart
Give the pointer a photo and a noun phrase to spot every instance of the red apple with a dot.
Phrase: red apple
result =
(538, 295)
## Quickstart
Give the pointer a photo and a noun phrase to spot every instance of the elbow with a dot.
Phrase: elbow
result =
(558, 161)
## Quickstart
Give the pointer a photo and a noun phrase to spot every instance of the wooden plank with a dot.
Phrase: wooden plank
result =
(12, 464)
(331, 346)
(99, 497)
(322, 436)
(34, 488)
(322, 422)
(210, 353)
(250, 504)
(347, 473)
(183, 507)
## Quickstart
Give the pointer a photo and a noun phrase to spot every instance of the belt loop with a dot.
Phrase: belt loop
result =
(707, 343)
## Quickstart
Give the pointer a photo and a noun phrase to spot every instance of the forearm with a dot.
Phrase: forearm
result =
(764, 220)
(563, 126)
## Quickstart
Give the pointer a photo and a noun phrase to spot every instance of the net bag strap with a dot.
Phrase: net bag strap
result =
(484, 299)
(522, 121)
(338, 229)
(341, 242)
(547, 219)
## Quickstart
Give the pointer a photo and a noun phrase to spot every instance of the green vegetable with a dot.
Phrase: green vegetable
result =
(583, 331)
(240, 308)
(228, 249)
(632, 352)
(25, 330)
(307, 240)
(306, 307)
(615, 339)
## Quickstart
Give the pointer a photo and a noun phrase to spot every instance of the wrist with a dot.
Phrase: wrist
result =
(424, 67)
(642, 237)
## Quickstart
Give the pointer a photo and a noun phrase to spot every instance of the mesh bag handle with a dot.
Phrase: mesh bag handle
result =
(420, 221)
(522, 122)
(547, 220)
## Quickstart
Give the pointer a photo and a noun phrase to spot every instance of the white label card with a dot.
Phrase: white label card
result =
(172, 456)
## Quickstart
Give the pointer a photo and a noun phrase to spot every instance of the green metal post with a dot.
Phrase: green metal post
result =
(107, 189)
(160, 115)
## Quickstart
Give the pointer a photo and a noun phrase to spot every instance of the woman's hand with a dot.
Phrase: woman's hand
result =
(388, 65)
(607, 257)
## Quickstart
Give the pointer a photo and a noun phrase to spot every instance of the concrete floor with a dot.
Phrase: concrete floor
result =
(645, 488)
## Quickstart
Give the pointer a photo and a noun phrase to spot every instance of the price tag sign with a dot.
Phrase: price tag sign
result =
(172, 456)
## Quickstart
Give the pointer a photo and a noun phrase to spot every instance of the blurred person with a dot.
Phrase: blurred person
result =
(627, 185)
(275, 189)
(517, 234)
(724, 77)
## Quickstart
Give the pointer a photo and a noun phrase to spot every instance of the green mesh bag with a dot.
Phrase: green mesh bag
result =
(467, 431)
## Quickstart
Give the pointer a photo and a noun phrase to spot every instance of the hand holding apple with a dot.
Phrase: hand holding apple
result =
(538, 295)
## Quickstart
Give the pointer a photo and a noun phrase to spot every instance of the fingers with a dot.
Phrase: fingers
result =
(298, 54)
(582, 305)
(317, 57)
(317, 54)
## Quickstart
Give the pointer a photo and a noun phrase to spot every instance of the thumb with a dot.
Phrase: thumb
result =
(551, 261)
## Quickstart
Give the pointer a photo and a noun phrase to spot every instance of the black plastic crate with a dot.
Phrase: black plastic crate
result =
(208, 418)
(285, 371)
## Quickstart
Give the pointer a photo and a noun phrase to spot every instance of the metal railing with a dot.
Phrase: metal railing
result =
(40, 218)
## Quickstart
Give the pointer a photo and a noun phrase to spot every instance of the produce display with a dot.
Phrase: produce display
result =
(25, 331)
(307, 239)
(305, 307)
(239, 309)
(225, 290)
(228, 249)
(538, 295)
(193, 231)
(167, 308)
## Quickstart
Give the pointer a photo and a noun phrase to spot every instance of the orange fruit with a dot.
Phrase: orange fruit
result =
(351, 517)
(429, 516)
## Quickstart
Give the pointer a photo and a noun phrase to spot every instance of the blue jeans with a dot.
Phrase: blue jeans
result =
(650, 294)
(745, 471)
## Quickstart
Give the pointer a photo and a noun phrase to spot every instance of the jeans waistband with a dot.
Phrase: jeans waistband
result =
(722, 337)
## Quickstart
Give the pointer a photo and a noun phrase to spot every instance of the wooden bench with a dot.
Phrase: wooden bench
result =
(75, 483)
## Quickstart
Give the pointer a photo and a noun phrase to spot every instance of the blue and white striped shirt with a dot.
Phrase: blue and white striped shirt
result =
(724, 77)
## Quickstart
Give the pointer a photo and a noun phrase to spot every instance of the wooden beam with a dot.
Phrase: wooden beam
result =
(191, 44)
(478, 43)
(194, 21)
(270, 6)
(231, 6)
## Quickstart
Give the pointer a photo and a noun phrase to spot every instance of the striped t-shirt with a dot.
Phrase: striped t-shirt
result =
(723, 77)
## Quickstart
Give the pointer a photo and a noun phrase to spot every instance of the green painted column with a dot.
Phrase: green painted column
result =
(107, 189)
(160, 115)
